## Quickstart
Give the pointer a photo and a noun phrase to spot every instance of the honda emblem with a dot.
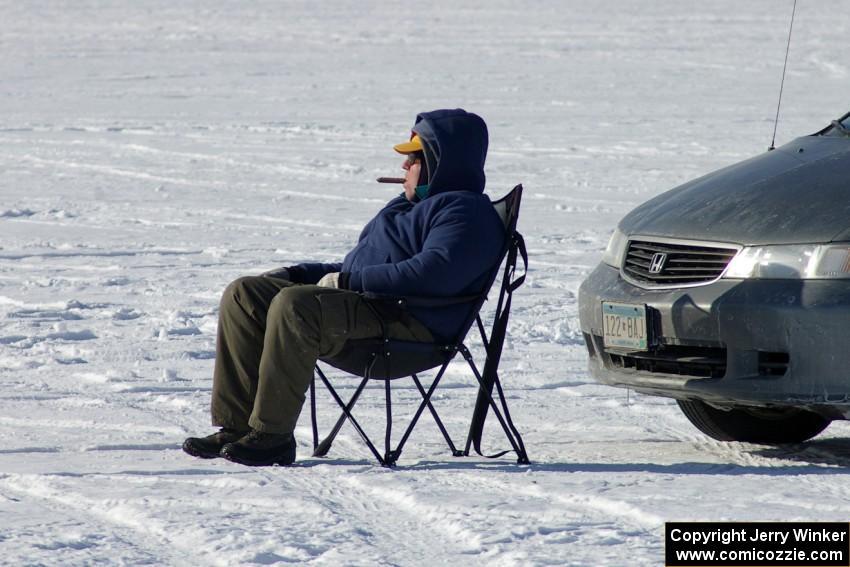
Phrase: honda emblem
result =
(657, 262)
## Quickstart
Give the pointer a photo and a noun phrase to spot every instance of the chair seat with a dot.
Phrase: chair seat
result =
(378, 359)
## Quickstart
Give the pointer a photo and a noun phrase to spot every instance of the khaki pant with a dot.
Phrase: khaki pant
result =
(270, 334)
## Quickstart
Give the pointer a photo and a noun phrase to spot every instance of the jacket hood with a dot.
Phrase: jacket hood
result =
(455, 147)
(797, 193)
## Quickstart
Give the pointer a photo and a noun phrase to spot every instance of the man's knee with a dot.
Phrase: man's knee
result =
(296, 306)
(234, 291)
(248, 295)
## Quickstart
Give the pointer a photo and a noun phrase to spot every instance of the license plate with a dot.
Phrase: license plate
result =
(624, 326)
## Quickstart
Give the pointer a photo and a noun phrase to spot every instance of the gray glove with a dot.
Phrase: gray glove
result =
(329, 280)
(279, 273)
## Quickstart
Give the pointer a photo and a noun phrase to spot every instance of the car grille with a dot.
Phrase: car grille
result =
(661, 263)
(706, 362)
(686, 361)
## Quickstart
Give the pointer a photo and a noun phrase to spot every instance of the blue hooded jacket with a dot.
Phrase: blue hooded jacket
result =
(446, 244)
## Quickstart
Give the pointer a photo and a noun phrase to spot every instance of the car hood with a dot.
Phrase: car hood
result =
(798, 193)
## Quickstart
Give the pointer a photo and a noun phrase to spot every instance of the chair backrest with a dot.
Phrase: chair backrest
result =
(389, 359)
(508, 210)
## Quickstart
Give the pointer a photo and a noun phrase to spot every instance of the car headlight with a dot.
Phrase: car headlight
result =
(793, 261)
(613, 255)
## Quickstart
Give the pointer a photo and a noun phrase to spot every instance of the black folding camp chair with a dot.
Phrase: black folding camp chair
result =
(387, 359)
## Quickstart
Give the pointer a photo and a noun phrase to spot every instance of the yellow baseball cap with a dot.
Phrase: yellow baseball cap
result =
(414, 145)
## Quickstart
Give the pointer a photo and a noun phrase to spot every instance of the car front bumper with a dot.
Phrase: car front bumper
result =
(731, 342)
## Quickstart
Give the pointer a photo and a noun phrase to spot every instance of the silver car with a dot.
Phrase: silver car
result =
(731, 294)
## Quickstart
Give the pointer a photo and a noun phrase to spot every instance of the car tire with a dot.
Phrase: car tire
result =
(754, 425)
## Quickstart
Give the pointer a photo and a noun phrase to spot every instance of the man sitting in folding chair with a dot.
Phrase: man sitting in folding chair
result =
(440, 238)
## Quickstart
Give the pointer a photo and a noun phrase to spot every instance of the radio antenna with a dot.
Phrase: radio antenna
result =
(782, 84)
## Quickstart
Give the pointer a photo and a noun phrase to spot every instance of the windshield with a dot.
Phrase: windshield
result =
(840, 127)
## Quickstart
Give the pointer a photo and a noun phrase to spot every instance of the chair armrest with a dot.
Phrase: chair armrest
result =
(403, 301)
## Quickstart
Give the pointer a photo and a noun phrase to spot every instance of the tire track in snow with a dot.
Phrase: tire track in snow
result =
(805, 460)
(384, 525)
(100, 254)
(537, 518)
(94, 518)
(363, 521)
(143, 508)
(818, 461)
(436, 516)
(731, 453)
(119, 172)
(312, 174)
(284, 220)
(84, 425)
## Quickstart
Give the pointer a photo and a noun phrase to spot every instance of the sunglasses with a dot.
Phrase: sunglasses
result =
(413, 158)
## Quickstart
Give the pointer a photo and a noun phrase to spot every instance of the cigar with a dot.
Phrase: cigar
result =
(391, 180)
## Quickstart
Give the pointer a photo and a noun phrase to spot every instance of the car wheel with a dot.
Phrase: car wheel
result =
(768, 426)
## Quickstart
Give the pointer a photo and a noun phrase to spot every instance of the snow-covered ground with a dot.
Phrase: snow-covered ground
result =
(152, 151)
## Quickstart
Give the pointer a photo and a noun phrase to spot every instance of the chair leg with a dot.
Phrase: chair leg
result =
(346, 408)
(323, 447)
(518, 446)
(390, 455)
(454, 450)
(522, 455)
(388, 433)
(425, 402)
(313, 414)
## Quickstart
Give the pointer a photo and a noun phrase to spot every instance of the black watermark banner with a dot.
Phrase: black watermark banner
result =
(757, 544)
